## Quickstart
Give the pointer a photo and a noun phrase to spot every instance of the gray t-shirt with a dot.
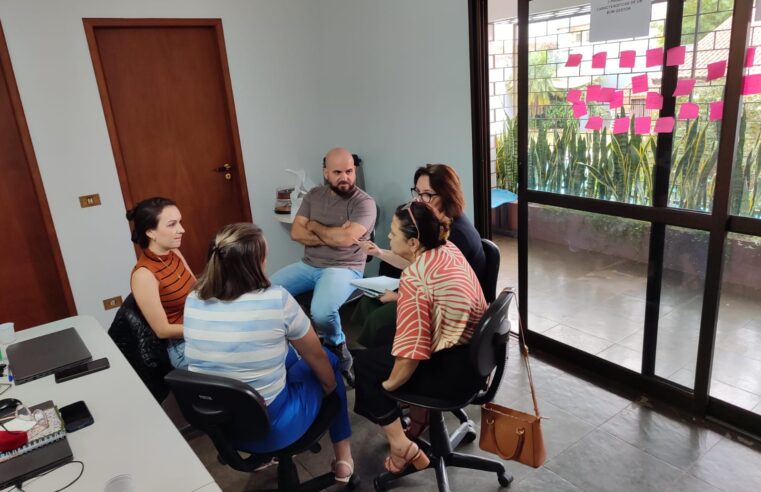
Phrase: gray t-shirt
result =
(331, 210)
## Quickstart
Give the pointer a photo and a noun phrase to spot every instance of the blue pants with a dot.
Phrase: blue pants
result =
(295, 408)
(175, 348)
(331, 286)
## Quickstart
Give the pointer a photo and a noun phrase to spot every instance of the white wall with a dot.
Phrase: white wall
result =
(386, 78)
(394, 82)
(507, 9)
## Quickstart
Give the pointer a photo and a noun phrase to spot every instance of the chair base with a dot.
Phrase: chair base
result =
(288, 480)
(441, 453)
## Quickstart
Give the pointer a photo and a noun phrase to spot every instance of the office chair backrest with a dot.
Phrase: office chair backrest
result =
(488, 347)
(214, 403)
(491, 270)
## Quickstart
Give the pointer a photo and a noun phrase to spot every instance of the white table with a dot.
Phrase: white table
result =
(131, 434)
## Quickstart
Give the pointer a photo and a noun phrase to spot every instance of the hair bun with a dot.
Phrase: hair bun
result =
(131, 214)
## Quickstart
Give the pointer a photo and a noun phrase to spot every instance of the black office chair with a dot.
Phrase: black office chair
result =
(488, 350)
(491, 270)
(231, 412)
(145, 352)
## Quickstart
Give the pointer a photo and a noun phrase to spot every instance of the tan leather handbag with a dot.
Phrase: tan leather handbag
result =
(512, 434)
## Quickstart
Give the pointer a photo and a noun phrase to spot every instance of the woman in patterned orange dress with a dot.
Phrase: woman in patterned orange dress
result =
(440, 305)
(161, 280)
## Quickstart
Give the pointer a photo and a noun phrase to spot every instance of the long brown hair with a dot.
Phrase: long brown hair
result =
(235, 263)
(446, 183)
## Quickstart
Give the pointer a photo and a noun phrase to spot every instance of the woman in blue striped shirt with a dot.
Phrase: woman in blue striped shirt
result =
(238, 325)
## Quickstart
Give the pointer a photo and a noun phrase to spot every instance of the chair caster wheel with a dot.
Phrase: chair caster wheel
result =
(354, 482)
(504, 480)
(469, 437)
(379, 487)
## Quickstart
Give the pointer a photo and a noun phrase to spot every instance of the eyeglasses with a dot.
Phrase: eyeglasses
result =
(423, 197)
(408, 208)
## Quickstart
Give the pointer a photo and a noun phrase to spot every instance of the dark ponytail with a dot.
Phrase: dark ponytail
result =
(430, 227)
(145, 217)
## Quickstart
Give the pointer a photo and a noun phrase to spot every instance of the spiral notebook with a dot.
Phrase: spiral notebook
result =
(39, 435)
(47, 451)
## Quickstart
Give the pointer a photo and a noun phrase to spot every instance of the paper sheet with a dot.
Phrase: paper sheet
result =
(627, 58)
(664, 124)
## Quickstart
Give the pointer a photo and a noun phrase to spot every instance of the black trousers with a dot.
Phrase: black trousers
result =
(448, 374)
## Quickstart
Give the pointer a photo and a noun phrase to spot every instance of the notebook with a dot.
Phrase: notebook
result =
(38, 435)
(49, 450)
(38, 357)
(375, 286)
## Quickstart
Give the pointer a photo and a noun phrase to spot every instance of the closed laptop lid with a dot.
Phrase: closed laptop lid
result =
(35, 462)
(46, 354)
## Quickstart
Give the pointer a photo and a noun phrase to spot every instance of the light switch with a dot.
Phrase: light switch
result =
(111, 303)
(89, 200)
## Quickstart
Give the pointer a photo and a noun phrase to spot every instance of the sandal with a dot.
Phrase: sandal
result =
(418, 422)
(348, 465)
(413, 455)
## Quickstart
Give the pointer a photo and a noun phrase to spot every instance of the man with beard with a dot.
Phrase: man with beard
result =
(330, 221)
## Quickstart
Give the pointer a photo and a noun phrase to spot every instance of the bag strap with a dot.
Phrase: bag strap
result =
(524, 354)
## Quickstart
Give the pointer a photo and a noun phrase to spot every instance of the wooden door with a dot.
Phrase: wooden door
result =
(34, 288)
(166, 95)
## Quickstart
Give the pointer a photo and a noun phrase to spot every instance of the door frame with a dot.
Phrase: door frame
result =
(91, 24)
(34, 173)
(718, 223)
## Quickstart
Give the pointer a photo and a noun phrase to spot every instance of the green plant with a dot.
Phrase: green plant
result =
(693, 168)
(746, 176)
(507, 156)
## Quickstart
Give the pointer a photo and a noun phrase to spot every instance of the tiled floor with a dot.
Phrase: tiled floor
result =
(596, 440)
(596, 303)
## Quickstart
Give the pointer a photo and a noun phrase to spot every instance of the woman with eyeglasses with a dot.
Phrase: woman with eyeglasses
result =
(439, 186)
(440, 304)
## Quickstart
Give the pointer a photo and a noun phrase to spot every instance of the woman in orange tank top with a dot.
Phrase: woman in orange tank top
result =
(161, 279)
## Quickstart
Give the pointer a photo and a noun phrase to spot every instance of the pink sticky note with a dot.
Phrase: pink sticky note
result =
(716, 70)
(621, 125)
(574, 60)
(688, 111)
(599, 59)
(574, 95)
(594, 123)
(579, 109)
(751, 85)
(653, 101)
(664, 125)
(654, 57)
(606, 93)
(750, 57)
(639, 84)
(675, 56)
(626, 58)
(642, 125)
(716, 110)
(684, 87)
(593, 93)
(617, 99)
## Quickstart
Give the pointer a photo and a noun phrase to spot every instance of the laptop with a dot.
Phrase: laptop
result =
(38, 357)
(36, 462)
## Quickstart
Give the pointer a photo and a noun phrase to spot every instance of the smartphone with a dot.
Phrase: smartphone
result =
(76, 416)
(82, 369)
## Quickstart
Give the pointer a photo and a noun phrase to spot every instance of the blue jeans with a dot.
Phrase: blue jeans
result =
(175, 348)
(295, 408)
(331, 286)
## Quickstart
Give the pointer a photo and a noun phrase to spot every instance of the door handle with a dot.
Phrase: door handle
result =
(223, 169)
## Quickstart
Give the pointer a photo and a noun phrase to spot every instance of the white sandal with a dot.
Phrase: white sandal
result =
(348, 465)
